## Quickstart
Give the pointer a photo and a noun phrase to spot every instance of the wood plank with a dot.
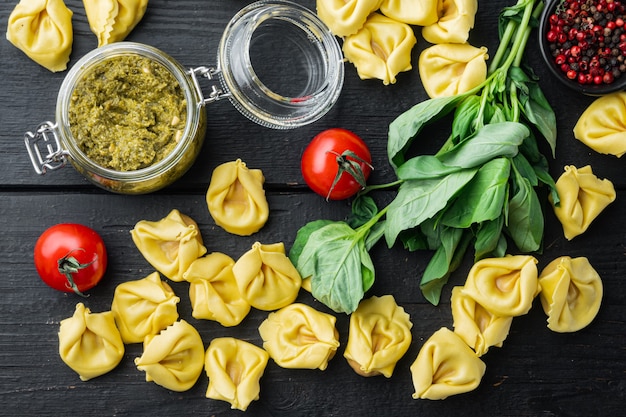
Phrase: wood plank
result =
(536, 372)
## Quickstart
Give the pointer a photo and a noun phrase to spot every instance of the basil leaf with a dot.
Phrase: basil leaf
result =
(413, 240)
(340, 267)
(525, 219)
(544, 176)
(424, 167)
(447, 258)
(525, 169)
(376, 232)
(431, 230)
(420, 200)
(489, 239)
(405, 127)
(491, 141)
(364, 208)
(301, 238)
(482, 198)
(463, 124)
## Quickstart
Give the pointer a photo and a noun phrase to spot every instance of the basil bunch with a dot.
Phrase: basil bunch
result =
(477, 191)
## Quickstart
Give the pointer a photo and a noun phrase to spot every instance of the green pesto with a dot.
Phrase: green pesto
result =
(128, 113)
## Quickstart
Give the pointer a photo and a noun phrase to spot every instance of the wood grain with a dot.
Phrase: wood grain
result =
(536, 373)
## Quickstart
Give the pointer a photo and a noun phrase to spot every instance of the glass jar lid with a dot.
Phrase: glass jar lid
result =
(280, 64)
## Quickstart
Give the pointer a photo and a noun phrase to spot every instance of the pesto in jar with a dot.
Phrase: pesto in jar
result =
(128, 113)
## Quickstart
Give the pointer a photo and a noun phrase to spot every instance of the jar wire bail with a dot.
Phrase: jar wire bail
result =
(209, 73)
(45, 136)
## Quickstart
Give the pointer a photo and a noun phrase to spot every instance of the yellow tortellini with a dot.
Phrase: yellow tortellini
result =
(171, 244)
(583, 197)
(234, 368)
(112, 20)
(451, 69)
(42, 29)
(380, 334)
(298, 336)
(90, 343)
(213, 290)
(445, 366)
(456, 19)
(345, 17)
(479, 328)
(143, 307)
(174, 358)
(571, 293)
(266, 278)
(504, 286)
(381, 48)
(602, 126)
(236, 198)
(413, 12)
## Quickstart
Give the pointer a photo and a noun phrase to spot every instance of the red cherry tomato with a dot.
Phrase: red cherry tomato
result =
(336, 164)
(70, 257)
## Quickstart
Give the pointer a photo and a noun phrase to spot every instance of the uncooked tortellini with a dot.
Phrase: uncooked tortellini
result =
(583, 197)
(170, 245)
(143, 307)
(456, 19)
(381, 48)
(504, 286)
(602, 126)
(174, 358)
(234, 368)
(345, 17)
(213, 290)
(90, 343)
(451, 69)
(413, 12)
(236, 198)
(42, 29)
(479, 328)
(571, 293)
(445, 366)
(112, 20)
(380, 334)
(266, 277)
(298, 336)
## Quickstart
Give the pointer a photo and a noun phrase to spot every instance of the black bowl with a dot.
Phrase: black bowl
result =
(544, 46)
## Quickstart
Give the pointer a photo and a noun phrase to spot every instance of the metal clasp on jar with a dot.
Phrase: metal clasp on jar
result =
(45, 137)
(209, 73)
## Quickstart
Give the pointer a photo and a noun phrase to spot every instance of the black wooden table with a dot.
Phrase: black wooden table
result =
(536, 373)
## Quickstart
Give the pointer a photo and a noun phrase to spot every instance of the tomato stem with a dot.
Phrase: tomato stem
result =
(68, 265)
(348, 162)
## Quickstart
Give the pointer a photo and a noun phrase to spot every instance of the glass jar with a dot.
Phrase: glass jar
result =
(299, 42)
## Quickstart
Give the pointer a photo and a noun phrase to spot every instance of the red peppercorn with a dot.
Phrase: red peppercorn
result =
(571, 35)
(608, 78)
(551, 36)
(554, 19)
